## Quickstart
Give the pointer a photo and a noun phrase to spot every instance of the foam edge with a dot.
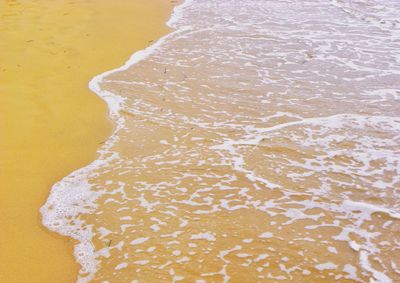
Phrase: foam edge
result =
(73, 195)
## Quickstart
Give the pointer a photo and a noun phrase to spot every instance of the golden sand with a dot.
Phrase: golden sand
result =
(50, 122)
(221, 176)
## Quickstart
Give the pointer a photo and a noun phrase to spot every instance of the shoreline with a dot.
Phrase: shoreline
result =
(53, 123)
(192, 153)
(56, 207)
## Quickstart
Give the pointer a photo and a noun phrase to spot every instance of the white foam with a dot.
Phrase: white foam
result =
(203, 236)
(368, 209)
(266, 235)
(379, 276)
(72, 195)
(332, 250)
(138, 241)
(121, 266)
(351, 270)
(325, 266)
(321, 137)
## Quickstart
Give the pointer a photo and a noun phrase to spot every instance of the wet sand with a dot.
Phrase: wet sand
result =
(50, 122)
(258, 142)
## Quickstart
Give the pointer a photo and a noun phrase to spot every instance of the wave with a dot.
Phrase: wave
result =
(257, 133)
(73, 195)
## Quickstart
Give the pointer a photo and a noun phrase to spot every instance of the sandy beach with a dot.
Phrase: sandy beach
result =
(51, 123)
(246, 141)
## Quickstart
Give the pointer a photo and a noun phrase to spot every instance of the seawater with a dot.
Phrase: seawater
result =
(258, 142)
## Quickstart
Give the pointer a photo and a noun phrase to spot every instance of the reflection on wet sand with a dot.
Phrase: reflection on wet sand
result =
(257, 143)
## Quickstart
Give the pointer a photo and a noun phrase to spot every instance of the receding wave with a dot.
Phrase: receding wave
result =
(257, 142)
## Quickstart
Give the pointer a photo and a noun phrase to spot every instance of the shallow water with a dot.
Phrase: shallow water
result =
(259, 142)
